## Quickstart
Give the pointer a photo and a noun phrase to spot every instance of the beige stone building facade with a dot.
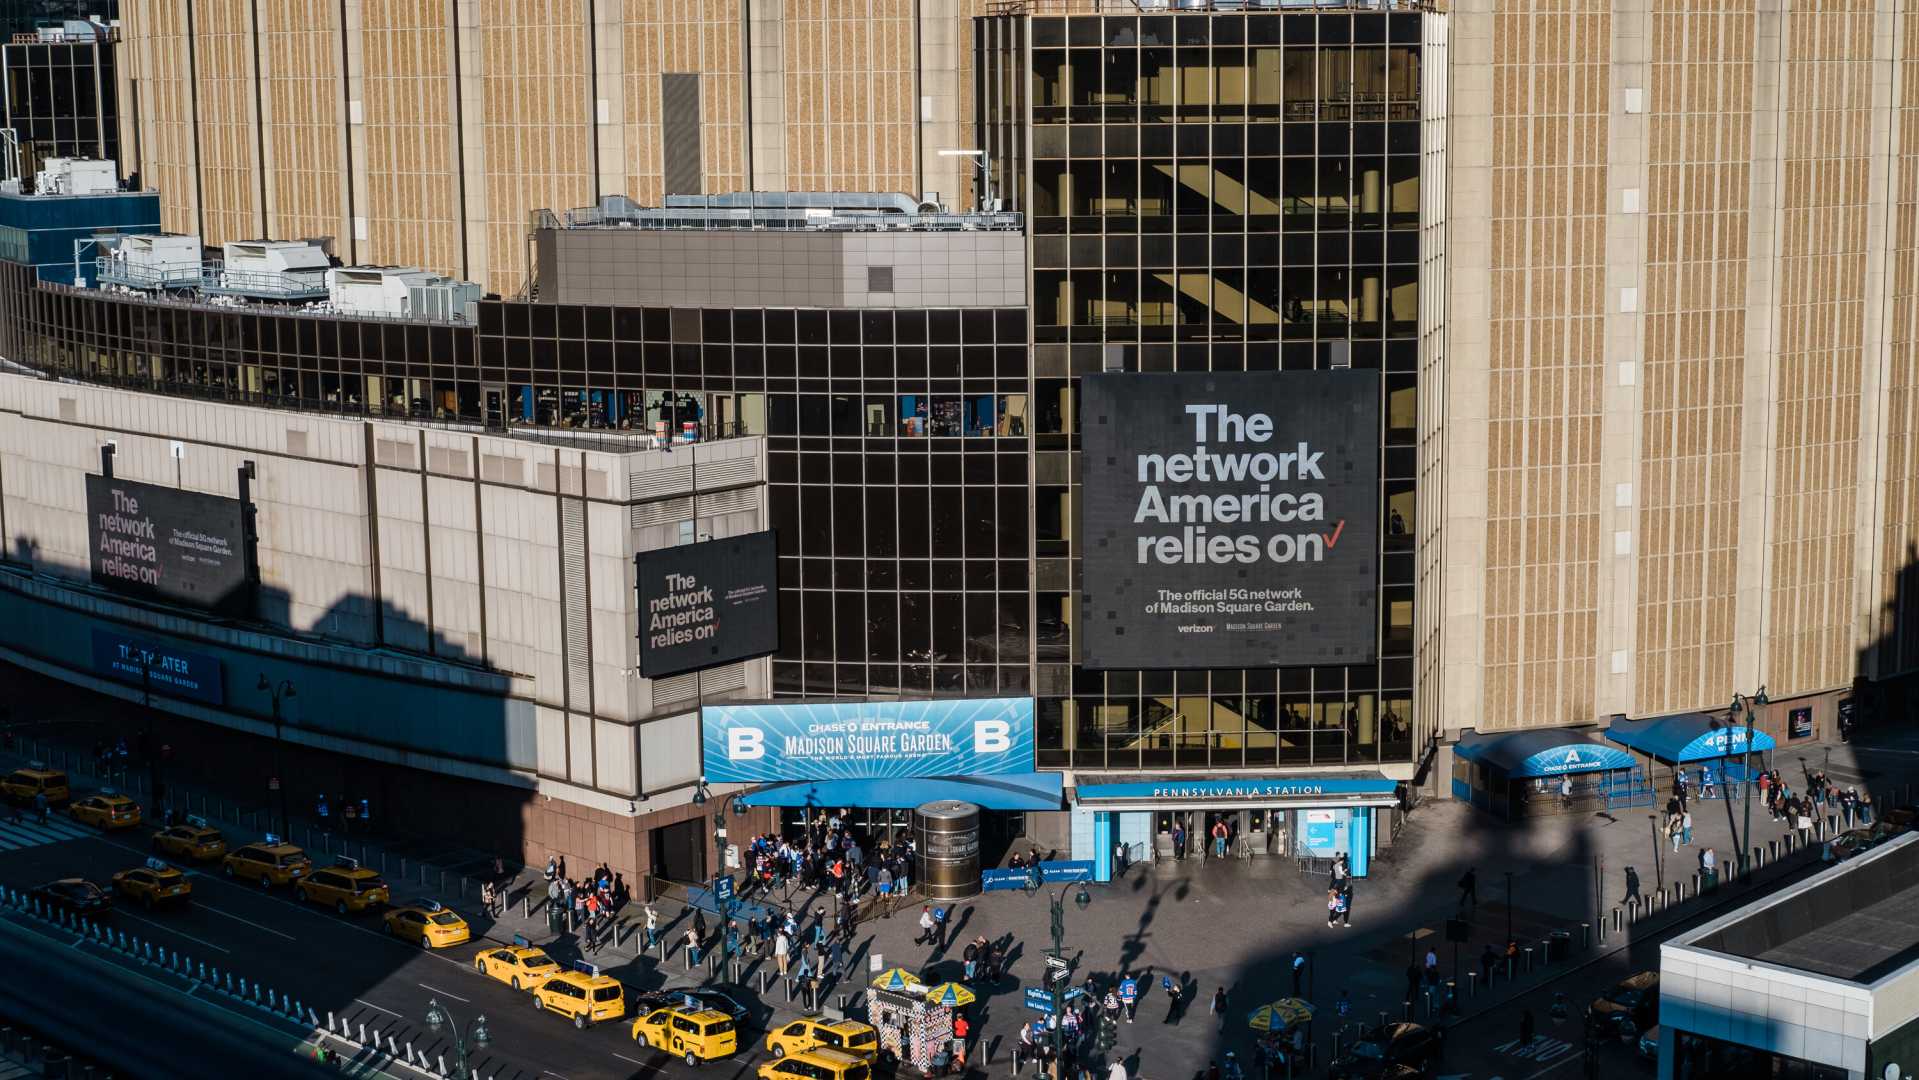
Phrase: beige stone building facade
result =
(426, 132)
(1680, 403)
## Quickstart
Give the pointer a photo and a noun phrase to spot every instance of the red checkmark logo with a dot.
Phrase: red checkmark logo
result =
(1333, 540)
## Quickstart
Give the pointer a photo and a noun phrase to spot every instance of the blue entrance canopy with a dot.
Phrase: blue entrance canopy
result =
(1541, 752)
(1019, 791)
(1682, 737)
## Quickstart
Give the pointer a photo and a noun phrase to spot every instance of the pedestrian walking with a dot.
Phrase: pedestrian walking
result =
(652, 926)
(782, 951)
(1674, 833)
(1685, 827)
(1632, 887)
(1179, 841)
(1526, 1027)
(1332, 907)
(1219, 1006)
(1469, 888)
(1129, 996)
(1299, 970)
(1119, 859)
(1708, 868)
(1565, 791)
(939, 928)
(1345, 902)
(693, 939)
(1173, 993)
(1221, 835)
(926, 927)
(1488, 959)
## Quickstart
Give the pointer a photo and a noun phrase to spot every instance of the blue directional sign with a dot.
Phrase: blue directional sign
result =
(723, 888)
(1039, 999)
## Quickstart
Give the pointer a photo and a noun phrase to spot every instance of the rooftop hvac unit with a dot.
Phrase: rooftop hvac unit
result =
(272, 269)
(160, 252)
(274, 256)
(77, 176)
(401, 292)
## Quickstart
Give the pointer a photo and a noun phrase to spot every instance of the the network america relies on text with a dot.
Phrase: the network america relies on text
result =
(1230, 519)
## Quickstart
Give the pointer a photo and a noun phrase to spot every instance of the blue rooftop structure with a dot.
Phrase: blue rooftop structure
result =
(1687, 737)
(40, 230)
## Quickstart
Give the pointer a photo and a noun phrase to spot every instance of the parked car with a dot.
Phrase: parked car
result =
(1385, 1050)
(1629, 1008)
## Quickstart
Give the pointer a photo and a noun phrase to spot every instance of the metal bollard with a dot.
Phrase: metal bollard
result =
(1585, 936)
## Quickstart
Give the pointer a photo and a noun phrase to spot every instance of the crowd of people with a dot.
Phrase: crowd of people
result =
(827, 856)
(587, 905)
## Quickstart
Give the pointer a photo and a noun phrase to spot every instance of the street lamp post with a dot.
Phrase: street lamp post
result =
(280, 691)
(1751, 710)
(474, 1035)
(1056, 966)
(727, 906)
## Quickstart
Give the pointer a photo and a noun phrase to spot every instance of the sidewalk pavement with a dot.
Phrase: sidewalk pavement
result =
(1230, 924)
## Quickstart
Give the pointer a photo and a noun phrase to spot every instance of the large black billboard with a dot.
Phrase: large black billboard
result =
(708, 603)
(1229, 519)
(164, 544)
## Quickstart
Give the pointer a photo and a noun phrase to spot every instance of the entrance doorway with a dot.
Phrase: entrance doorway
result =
(679, 851)
(494, 409)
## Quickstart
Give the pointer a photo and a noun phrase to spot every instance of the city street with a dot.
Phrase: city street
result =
(1230, 923)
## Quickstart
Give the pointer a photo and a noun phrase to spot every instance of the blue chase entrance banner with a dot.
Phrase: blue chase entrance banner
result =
(883, 740)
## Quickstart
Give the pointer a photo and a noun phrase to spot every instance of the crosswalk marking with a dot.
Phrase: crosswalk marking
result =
(29, 832)
(1541, 1049)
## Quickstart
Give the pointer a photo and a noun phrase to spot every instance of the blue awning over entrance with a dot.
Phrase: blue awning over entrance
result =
(1018, 791)
(1541, 752)
(1682, 737)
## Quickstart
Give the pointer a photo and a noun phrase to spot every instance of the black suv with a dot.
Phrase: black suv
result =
(1384, 1051)
(1628, 1008)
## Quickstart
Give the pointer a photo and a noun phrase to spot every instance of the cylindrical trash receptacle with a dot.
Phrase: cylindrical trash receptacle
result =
(948, 836)
(1559, 946)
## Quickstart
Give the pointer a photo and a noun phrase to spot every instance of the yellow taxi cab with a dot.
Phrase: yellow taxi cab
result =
(521, 965)
(809, 1032)
(107, 810)
(194, 840)
(153, 883)
(428, 922)
(693, 1034)
(346, 886)
(21, 785)
(819, 1063)
(270, 862)
(582, 994)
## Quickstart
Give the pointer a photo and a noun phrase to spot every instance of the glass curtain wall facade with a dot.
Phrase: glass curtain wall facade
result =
(897, 439)
(62, 99)
(1215, 192)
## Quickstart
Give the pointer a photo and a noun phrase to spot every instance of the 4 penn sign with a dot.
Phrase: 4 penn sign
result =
(868, 739)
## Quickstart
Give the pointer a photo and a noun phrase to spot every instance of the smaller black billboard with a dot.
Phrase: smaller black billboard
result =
(176, 547)
(706, 604)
